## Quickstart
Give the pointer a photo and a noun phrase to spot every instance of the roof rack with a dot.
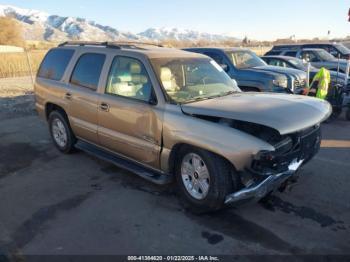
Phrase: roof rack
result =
(117, 45)
(86, 43)
(135, 43)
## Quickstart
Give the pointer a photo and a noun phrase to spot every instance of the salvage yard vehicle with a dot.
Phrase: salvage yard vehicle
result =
(252, 73)
(335, 49)
(338, 95)
(168, 114)
(337, 78)
(318, 57)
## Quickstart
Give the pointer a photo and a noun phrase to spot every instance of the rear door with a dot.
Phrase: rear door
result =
(82, 96)
(129, 118)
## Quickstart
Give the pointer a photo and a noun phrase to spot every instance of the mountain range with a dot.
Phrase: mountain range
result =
(38, 25)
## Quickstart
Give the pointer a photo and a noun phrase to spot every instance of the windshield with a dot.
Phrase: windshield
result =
(297, 63)
(324, 55)
(244, 59)
(342, 49)
(192, 79)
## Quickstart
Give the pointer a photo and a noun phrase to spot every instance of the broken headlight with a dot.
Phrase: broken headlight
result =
(274, 161)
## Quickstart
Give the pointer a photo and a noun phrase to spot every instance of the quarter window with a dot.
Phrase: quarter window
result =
(128, 78)
(55, 64)
(277, 62)
(87, 71)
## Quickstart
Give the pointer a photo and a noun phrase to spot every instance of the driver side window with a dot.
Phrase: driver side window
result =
(128, 78)
(334, 52)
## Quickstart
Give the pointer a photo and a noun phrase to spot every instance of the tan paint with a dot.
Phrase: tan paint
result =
(148, 133)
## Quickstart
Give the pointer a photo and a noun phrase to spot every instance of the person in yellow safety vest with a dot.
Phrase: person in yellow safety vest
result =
(323, 80)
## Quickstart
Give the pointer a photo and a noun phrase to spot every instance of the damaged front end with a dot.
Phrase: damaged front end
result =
(269, 170)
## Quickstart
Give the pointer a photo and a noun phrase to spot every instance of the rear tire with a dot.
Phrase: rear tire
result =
(61, 133)
(204, 179)
(348, 114)
(336, 113)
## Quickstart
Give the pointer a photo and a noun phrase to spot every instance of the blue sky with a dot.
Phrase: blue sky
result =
(258, 19)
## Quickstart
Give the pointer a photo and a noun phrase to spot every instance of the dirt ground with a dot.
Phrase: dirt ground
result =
(16, 97)
(75, 204)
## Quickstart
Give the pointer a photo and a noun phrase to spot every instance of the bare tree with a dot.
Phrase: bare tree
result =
(10, 32)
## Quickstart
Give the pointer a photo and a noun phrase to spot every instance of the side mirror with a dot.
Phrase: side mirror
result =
(225, 67)
(153, 100)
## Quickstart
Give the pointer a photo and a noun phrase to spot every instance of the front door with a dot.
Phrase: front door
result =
(128, 123)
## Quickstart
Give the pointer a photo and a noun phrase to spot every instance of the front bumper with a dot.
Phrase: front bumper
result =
(260, 189)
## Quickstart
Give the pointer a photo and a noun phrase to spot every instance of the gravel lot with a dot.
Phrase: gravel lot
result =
(16, 97)
(56, 204)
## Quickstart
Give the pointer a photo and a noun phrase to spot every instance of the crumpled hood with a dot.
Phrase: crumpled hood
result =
(297, 74)
(285, 113)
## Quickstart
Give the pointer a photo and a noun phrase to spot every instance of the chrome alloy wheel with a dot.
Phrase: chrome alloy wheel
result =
(195, 176)
(59, 133)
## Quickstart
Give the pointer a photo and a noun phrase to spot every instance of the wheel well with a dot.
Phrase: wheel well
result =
(50, 107)
(249, 89)
(174, 153)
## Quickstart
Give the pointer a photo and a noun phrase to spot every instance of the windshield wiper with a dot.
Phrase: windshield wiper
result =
(200, 98)
(222, 94)
(196, 99)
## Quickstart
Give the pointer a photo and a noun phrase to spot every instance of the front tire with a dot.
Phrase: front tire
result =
(61, 133)
(204, 179)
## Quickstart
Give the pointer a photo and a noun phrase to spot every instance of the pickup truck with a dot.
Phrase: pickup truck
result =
(252, 73)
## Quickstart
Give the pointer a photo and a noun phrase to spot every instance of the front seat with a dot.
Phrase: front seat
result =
(140, 82)
(168, 80)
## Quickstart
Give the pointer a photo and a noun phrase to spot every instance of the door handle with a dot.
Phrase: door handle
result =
(104, 107)
(68, 96)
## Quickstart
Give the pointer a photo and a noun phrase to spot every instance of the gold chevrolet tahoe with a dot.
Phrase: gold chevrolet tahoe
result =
(167, 114)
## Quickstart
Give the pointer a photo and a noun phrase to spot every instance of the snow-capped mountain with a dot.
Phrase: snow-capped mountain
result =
(180, 34)
(39, 25)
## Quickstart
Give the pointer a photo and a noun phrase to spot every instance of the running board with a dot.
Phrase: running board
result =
(144, 172)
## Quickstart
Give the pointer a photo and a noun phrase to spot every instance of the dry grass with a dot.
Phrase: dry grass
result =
(16, 64)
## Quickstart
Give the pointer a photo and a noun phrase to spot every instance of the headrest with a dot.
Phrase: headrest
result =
(165, 74)
(124, 78)
(135, 68)
(139, 79)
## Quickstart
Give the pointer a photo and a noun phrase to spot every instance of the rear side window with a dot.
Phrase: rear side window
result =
(55, 63)
(88, 69)
(291, 53)
(273, 52)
